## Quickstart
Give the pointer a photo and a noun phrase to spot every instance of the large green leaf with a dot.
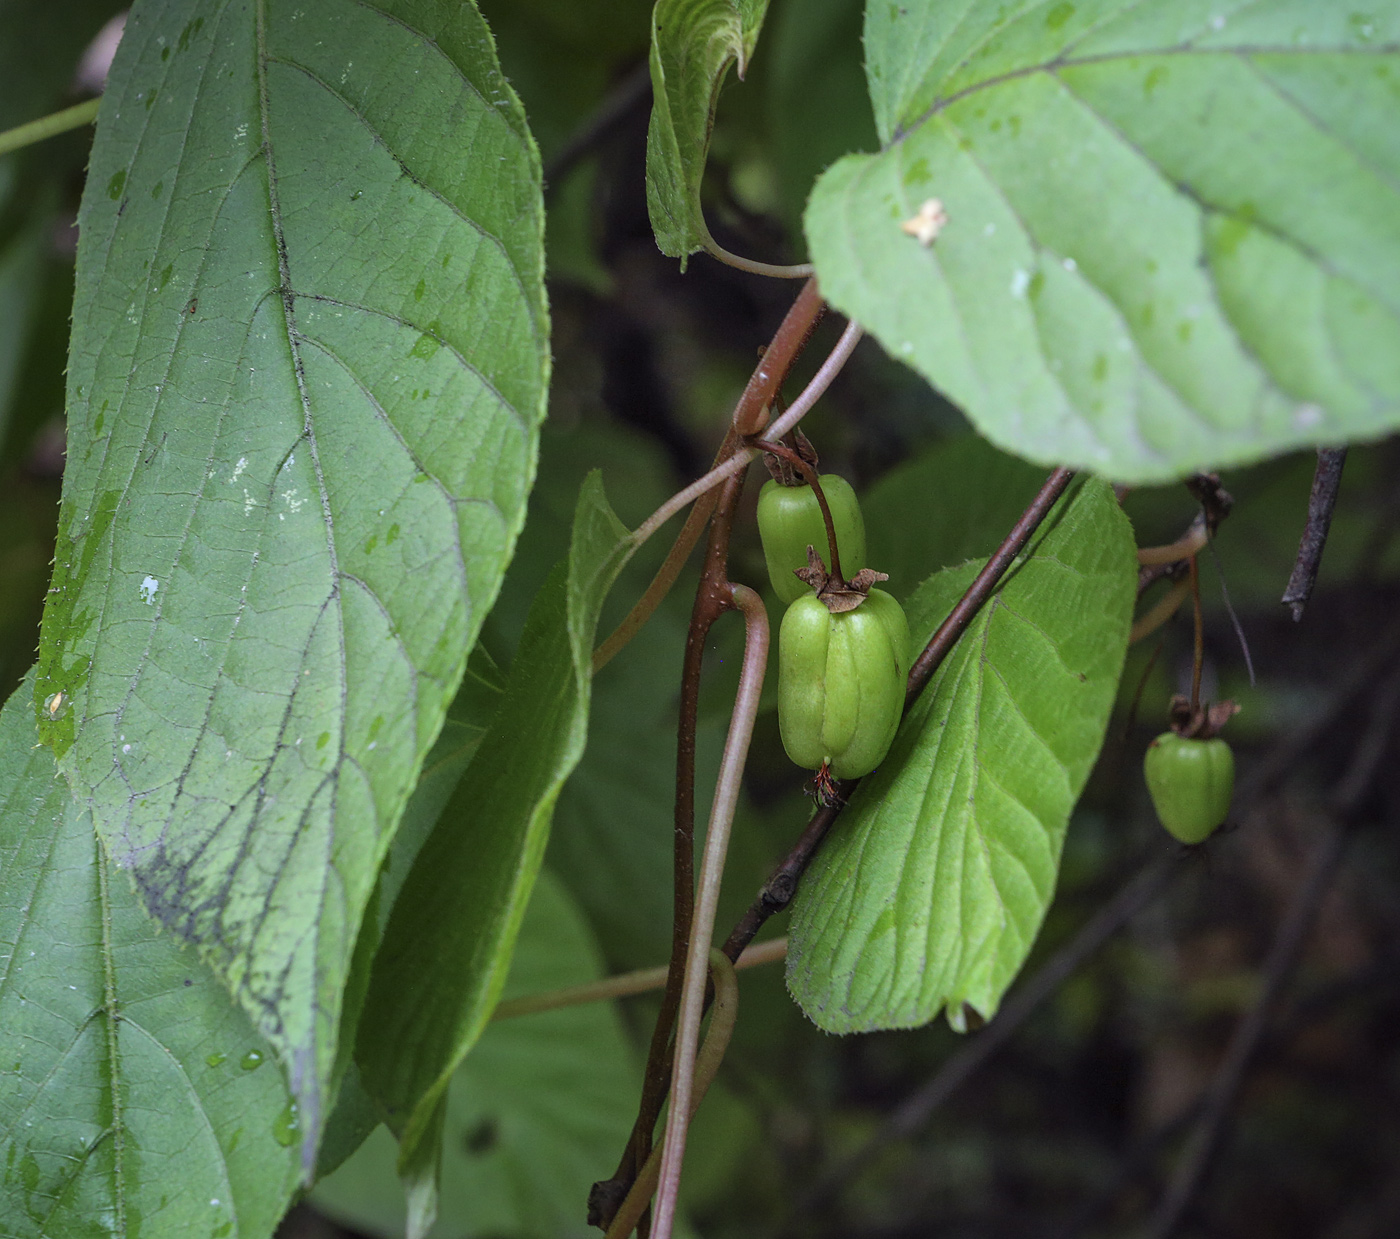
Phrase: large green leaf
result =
(1173, 235)
(447, 946)
(309, 359)
(136, 1097)
(933, 884)
(693, 43)
(535, 1114)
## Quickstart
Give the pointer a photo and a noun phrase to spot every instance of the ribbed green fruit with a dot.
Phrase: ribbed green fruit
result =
(1191, 782)
(841, 682)
(790, 520)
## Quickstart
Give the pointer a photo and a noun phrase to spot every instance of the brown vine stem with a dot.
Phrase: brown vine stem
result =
(750, 414)
(713, 597)
(1199, 644)
(725, 1012)
(781, 886)
(726, 799)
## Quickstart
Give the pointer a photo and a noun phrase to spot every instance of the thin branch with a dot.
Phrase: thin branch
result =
(726, 1011)
(1160, 612)
(50, 126)
(985, 584)
(666, 575)
(1284, 954)
(630, 94)
(1193, 540)
(781, 886)
(1326, 482)
(814, 390)
(625, 984)
(1198, 646)
(731, 774)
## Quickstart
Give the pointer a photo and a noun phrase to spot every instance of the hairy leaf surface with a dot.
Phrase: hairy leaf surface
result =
(1173, 233)
(693, 43)
(932, 886)
(309, 360)
(135, 1097)
(447, 946)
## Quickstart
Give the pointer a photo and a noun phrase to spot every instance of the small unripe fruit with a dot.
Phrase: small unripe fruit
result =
(1191, 782)
(841, 682)
(790, 520)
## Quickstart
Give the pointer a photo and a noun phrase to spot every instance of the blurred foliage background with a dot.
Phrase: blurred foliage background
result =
(1076, 1125)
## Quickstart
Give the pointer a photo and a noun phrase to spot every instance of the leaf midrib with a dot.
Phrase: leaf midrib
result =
(1065, 61)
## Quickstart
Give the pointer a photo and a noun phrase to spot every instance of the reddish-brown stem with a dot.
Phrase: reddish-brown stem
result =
(1200, 644)
(781, 886)
(751, 413)
(987, 580)
(809, 475)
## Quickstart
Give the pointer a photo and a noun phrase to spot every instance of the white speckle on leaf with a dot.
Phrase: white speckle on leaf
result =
(1218, 22)
(1306, 416)
(238, 469)
(989, 230)
(1071, 265)
(126, 748)
(293, 503)
(247, 502)
(149, 585)
(1020, 281)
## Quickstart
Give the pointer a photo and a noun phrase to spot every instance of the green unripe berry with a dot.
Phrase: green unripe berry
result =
(1191, 782)
(790, 520)
(841, 682)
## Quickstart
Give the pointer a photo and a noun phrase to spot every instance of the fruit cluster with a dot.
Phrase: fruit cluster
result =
(843, 647)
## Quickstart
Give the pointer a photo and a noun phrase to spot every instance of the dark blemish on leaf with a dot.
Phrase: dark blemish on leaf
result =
(371, 543)
(392, 536)
(156, 188)
(165, 53)
(323, 739)
(1057, 16)
(165, 276)
(188, 982)
(1155, 77)
(1100, 370)
(116, 184)
(151, 99)
(420, 290)
(1183, 330)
